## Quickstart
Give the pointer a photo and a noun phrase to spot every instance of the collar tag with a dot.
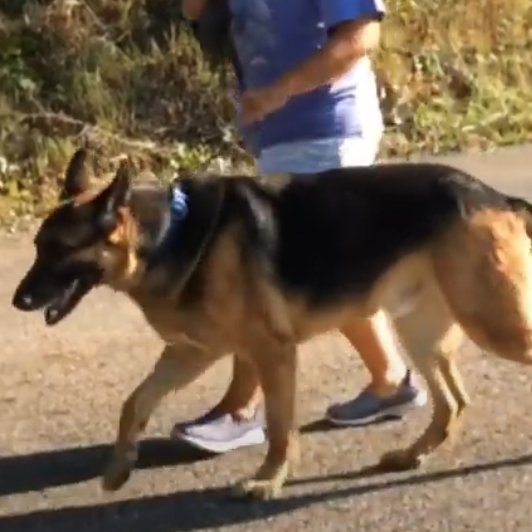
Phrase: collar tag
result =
(178, 204)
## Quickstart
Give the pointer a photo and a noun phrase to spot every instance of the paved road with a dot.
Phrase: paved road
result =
(60, 392)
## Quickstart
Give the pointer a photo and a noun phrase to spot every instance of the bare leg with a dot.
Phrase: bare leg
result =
(243, 395)
(375, 342)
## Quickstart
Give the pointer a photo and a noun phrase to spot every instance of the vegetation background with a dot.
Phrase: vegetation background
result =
(125, 76)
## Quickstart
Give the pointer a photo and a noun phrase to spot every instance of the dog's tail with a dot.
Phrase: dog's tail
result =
(524, 209)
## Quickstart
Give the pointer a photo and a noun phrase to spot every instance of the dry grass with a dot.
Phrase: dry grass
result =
(458, 74)
(125, 76)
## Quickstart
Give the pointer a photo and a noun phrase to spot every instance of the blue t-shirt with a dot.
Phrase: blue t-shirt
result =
(274, 36)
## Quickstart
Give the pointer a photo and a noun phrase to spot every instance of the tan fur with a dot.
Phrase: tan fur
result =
(482, 286)
(475, 278)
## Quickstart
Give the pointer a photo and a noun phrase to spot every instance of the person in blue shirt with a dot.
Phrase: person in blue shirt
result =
(308, 102)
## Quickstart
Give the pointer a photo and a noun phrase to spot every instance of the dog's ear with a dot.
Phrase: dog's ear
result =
(77, 178)
(115, 196)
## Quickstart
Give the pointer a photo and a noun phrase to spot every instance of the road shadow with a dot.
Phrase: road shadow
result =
(322, 425)
(48, 469)
(209, 509)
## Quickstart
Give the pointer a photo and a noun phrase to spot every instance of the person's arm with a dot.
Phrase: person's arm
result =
(350, 42)
(354, 29)
(192, 9)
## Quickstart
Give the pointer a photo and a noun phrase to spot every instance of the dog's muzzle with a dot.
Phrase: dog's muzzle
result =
(57, 295)
(22, 301)
(33, 292)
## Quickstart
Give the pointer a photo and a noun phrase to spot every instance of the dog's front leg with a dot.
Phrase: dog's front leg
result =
(177, 366)
(277, 371)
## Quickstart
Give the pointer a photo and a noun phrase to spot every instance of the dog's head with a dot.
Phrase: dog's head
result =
(83, 243)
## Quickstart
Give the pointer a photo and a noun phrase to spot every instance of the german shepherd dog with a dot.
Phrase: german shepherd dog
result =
(251, 267)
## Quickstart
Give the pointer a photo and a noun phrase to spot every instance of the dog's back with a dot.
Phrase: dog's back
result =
(441, 251)
(332, 235)
(256, 268)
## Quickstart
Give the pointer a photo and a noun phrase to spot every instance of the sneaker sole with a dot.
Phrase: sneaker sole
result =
(251, 438)
(394, 412)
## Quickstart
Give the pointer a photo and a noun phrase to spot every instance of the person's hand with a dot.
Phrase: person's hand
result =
(256, 104)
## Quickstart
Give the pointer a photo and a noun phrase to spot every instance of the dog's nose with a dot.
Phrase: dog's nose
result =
(23, 301)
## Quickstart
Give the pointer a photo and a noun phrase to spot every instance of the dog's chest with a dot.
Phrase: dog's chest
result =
(175, 327)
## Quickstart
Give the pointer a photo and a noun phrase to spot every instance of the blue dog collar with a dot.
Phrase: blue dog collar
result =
(170, 234)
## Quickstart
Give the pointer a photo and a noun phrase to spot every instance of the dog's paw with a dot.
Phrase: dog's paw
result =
(402, 460)
(116, 474)
(257, 489)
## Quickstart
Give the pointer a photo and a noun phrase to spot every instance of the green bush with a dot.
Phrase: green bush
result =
(126, 76)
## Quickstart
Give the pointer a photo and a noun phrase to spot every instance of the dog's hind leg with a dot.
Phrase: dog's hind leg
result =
(485, 273)
(277, 372)
(177, 366)
(449, 369)
(483, 268)
(431, 338)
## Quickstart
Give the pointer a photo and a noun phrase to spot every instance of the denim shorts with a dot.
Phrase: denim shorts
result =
(318, 155)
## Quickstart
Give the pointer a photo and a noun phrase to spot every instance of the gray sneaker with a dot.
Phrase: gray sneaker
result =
(367, 407)
(223, 433)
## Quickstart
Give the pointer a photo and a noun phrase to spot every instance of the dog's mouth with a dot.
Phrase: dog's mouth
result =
(69, 297)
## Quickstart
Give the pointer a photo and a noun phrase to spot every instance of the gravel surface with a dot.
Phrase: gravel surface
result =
(61, 390)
